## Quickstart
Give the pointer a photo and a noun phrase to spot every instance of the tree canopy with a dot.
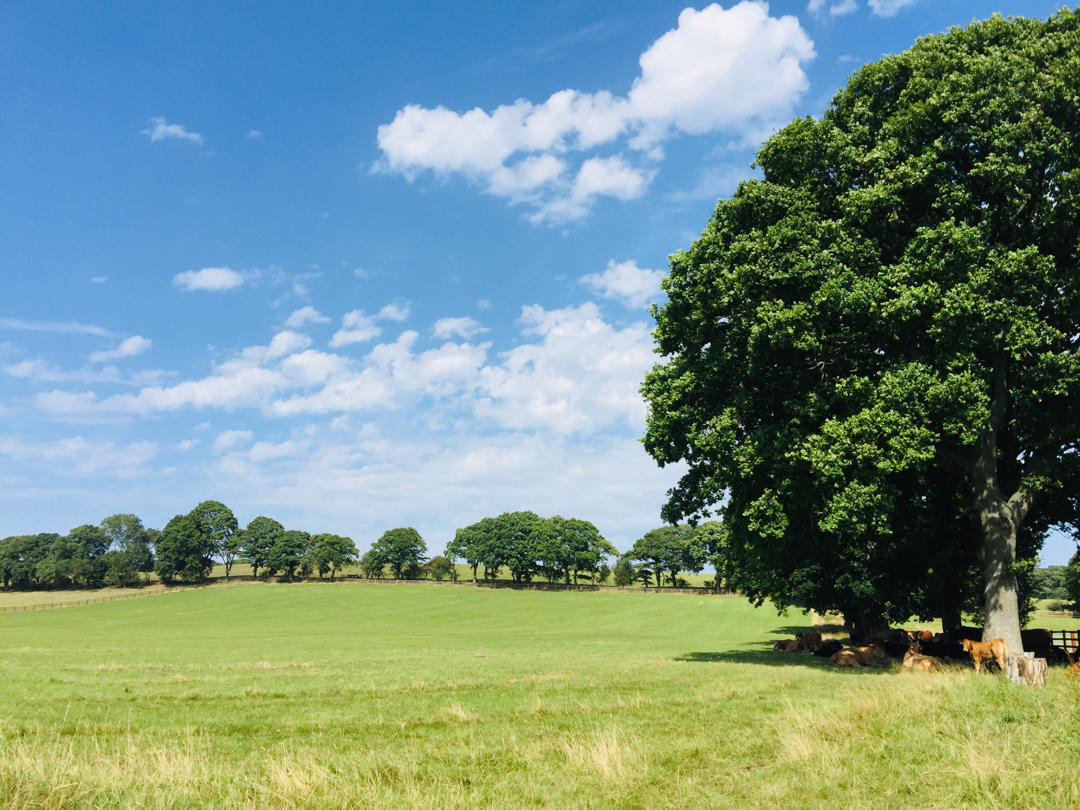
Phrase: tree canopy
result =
(872, 355)
(217, 522)
(184, 552)
(527, 545)
(403, 549)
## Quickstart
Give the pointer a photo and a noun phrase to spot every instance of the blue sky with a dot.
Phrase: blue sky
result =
(357, 266)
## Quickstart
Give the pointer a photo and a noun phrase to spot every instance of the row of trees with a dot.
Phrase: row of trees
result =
(189, 544)
(121, 552)
(117, 552)
(670, 551)
(529, 546)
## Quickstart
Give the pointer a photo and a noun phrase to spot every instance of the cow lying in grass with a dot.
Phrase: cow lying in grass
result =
(845, 658)
(786, 645)
(914, 660)
(858, 656)
(983, 651)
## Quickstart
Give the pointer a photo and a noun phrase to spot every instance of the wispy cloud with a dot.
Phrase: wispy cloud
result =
(889, 8)
(161, 130)
(60, 327)
(305, 315)
(127, 348)
(446, 328)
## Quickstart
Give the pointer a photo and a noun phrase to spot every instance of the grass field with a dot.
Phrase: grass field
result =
(352, 695)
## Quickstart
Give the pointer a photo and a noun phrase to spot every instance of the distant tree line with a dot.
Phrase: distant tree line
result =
(121, 552)
(530, 546)
(664, 553)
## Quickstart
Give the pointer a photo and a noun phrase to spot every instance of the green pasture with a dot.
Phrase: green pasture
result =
(368, 695)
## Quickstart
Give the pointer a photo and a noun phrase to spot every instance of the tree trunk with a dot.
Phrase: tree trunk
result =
(1026, 670)
(998, 519)
(1001, 602)
(951, 622)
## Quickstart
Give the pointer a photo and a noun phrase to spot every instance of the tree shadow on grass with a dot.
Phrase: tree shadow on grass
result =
(775, 658)
(824, 629)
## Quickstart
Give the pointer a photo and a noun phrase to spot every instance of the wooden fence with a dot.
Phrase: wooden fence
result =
(1066, 639)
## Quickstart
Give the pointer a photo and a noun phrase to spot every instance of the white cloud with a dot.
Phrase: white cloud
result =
(889, 8)
(394, 312)
(160, 130)
(231, 438)
(597, 176)
(483, 304)
(77, 457)
(836, 8)
(99, 279)
(285, 343)
(130, 347)
(60, 327)
(737, 70)
(304, 316)
(254, 134)
(39, 370)
(625, 281)
(580, 376)
(358, 481)
(312, 367)
(571, 373)
(446, 328)
(356, 327)
(186, 444)
(209, 279)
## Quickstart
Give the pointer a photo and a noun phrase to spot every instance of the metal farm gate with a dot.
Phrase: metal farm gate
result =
(1066, 639)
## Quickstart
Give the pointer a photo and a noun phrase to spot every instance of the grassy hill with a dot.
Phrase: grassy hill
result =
(307, 695)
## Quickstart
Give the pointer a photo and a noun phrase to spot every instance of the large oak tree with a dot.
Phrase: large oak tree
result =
(871, 355)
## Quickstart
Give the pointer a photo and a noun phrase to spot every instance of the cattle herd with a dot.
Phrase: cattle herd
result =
(921, 650)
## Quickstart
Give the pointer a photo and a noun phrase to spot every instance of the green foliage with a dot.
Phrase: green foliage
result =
(402, 549)
(527, 545)
(1072, 580)
(331, 552)
(289, 555)
(624, 572)
(884, 325)
(184, 551)
(438, 568)
(1049, 583)
(218, 524)
(671, 550)
(257, 541)
(371, 565)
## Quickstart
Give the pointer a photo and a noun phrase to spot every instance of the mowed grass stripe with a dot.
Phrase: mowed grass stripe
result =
(381, 696)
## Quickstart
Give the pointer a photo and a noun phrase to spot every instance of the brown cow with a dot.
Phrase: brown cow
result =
(916, 661)
(869, 653)
(983, 651)
(808, 641)
(786, 645)
(846, 658)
